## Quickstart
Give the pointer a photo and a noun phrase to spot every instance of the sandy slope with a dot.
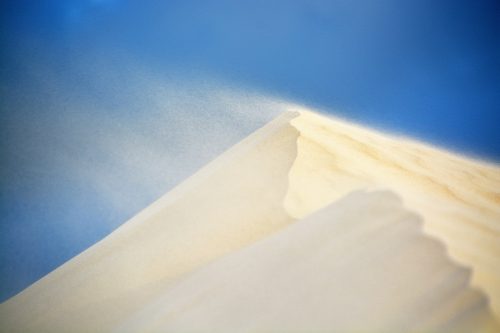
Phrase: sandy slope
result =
(361, 263)
(232, 202)
(292, 167)
(458, 199)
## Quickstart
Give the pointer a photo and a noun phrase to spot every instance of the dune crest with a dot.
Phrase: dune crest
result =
(233, 201)
(296, 165)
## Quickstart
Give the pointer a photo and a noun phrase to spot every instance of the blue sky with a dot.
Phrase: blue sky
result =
(83, 84)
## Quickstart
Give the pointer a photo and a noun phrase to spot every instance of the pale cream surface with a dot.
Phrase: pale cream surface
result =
(361, 264)
(233, 201)
(459, 199)
(289, 169)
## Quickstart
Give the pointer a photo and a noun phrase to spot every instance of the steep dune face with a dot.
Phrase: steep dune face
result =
(325, 273)
(458, 199)
(154, 269)
(232, 202)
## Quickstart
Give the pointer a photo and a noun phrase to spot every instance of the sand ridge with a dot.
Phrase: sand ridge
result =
(291, 168)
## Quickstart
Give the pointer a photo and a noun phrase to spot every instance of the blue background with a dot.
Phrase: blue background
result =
(427, 69)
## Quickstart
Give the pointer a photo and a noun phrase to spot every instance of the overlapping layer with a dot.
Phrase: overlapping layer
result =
(361, 264)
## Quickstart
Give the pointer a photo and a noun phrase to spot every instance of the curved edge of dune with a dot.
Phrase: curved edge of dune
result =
(233, 201)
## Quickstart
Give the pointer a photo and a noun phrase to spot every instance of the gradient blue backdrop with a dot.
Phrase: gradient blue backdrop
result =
(426, 68)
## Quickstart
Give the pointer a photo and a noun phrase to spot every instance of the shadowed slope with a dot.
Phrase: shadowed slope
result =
(235, 200)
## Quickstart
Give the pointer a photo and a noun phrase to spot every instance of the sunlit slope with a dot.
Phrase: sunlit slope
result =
(459, 199)
(289, 169)
(360, 265)
(233, 201)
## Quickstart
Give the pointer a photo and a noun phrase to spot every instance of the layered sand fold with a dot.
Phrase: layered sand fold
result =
(459, 199)
(222, 241)
(360, 264)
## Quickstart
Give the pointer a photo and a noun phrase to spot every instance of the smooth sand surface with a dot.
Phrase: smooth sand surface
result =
(361, 263)
(232, 202)
(291, 168)
(459, 199)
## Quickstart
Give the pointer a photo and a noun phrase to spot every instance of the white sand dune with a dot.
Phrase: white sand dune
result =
(218, 253)
(337, 270)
